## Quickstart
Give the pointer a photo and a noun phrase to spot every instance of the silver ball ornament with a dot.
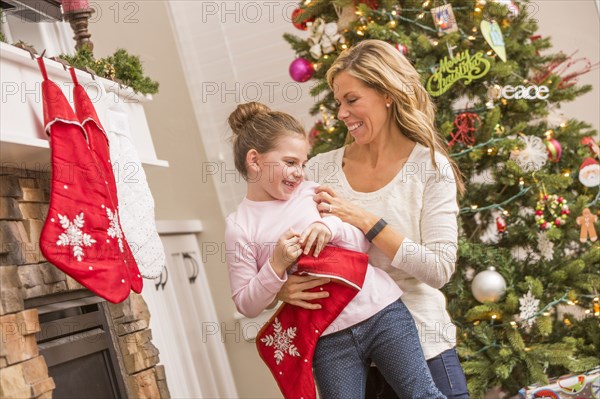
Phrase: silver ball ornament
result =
(488, 286)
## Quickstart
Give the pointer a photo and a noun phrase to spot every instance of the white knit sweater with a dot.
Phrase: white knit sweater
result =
(420, 203)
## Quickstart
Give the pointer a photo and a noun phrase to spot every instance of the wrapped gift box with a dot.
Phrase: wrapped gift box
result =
(581, 386)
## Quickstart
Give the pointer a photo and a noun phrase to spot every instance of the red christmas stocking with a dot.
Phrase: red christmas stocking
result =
(76, 234)
(287, 342)
(98, 142)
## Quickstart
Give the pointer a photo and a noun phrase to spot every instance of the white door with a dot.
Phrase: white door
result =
(184, 322)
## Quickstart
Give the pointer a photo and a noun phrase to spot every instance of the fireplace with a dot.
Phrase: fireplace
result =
(76, 341)
(58, 339)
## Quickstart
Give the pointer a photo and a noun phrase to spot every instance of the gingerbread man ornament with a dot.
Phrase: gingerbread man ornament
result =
(586, 221)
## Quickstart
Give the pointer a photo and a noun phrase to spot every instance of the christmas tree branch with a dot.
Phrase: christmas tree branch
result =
(522, 191)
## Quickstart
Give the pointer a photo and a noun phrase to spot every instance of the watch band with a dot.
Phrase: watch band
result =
(371, 234)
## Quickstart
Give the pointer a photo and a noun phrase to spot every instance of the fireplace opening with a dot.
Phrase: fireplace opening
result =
(76, 342)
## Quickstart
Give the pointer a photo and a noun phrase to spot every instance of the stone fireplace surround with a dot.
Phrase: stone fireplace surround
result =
(29, 285)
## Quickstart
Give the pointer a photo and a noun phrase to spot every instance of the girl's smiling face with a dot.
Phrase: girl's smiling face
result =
(276, 174)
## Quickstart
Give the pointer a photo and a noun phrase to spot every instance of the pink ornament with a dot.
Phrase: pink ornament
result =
(554, 150)
(301, 70)
(75, 5)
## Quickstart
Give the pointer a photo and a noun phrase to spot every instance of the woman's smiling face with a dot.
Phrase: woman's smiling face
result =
(363, 109)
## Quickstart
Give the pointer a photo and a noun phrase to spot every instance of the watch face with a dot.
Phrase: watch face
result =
(596, 388)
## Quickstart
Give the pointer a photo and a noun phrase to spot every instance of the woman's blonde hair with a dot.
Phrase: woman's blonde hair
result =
(256, 126)
(380, 66)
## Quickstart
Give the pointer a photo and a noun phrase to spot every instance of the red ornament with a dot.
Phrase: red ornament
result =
(296, 16)
(466, 124)
(557, 222)
(373, 4)
(593, 146)
(313, 135)
(401, 48)
(501, 225)
(533, 39)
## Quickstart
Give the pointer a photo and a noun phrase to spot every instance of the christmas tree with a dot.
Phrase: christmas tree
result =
(525, 294)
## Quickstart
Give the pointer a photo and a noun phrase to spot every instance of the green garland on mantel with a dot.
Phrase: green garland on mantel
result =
(121, 67)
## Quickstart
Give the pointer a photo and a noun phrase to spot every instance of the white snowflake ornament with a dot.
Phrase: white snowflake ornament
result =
(74, 236)
(282, 340)
(533, 156)
(545, 246)
(529, 307)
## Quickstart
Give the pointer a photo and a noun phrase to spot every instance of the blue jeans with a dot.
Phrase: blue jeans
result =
(445, 369)
(390, 340)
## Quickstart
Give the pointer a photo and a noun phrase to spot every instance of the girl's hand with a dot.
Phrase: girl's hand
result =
(317, 234)
(286, 252)
(294, 292)
(328, 203)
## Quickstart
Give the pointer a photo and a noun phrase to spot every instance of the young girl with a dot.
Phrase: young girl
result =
(275, 223)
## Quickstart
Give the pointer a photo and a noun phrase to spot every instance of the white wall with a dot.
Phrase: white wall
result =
(232, 52)
(574, 25)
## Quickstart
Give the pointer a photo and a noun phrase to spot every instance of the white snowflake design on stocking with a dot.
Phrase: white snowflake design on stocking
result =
(282, 341)
(115, 228)
(73, 236)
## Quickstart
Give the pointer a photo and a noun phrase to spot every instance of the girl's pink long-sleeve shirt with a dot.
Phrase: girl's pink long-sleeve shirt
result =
(251, 235)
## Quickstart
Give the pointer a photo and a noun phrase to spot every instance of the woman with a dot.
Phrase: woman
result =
(395, 182)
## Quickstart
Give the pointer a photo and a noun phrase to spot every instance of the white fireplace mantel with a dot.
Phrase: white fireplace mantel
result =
(23, 142)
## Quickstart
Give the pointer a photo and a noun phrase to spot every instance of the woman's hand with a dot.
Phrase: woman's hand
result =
(293, 291)
(317, 234)
(328, 203)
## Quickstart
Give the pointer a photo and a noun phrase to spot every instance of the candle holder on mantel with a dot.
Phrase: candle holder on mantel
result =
(77, 13)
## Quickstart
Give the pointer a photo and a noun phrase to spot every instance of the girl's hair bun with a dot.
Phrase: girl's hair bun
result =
(244, 113)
